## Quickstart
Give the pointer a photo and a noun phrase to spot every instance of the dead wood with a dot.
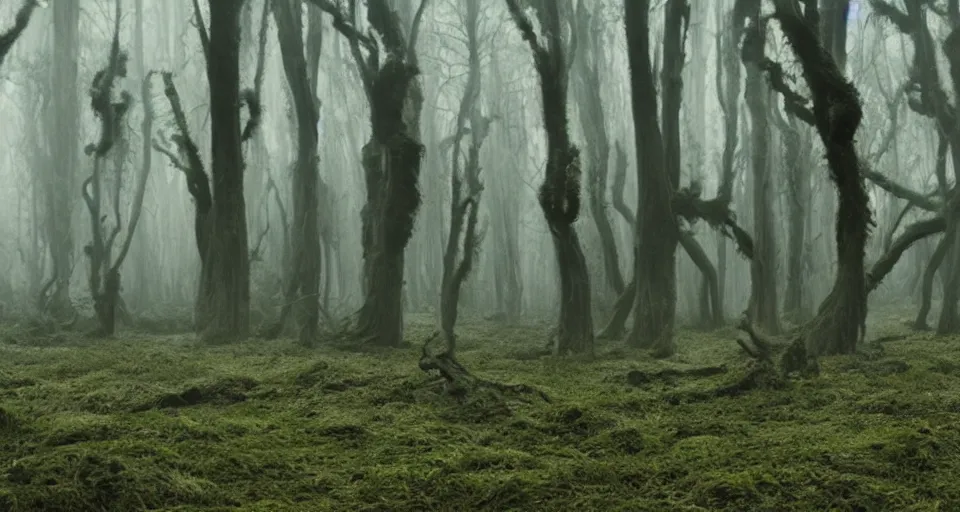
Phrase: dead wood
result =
(460, 383)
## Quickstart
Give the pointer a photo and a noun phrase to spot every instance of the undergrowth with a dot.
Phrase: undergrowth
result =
(163, 423)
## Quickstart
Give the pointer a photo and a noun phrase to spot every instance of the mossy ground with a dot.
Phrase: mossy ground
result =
(147, 422)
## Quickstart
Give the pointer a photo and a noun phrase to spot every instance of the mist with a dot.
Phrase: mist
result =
(479, 255)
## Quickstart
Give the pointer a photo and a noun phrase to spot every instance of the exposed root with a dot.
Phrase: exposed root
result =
(461, 383)
(763, 373)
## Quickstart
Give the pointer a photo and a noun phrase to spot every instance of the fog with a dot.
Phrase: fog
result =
(395, 173)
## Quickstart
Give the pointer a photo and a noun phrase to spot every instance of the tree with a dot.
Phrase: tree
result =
(223, 296)
(763, 267)
(306, 237)
(657, 232)
(662, 203)
(225, 308)
(104, 266)
(559, 194)
(586, 86)
(728, 96)
(465, 235)
(929, 99)
(391, 161)
(504, 197)
(836, 114)
(63, 120)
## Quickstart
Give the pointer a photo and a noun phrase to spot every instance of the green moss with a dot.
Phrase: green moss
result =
(167, 423)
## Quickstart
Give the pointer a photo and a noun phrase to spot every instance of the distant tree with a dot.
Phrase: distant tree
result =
(762, 309)
(465, 235)
(104, 264)
(586, 86)
(62, 119)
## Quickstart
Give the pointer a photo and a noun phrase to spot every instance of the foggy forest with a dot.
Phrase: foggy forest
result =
(457, 255)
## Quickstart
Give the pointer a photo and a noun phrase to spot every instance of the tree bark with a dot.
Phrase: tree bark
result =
(224, 310)
(559, 193)
(841, 319)
(798, 197)
(657, 233)
(763, 309)
(306, 238)
(64, 119)
(728, 95)
(593, 123)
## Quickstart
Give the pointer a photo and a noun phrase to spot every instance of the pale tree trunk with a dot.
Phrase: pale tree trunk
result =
(709, 300)
(763, 309)
(586, 87)
(728, 95)
(64, 119)
(505, 204)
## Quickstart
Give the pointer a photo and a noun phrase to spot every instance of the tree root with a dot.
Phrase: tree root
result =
(461, 383)
(764, 372)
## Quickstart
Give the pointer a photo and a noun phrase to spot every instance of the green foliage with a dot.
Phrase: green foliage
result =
(166, 423)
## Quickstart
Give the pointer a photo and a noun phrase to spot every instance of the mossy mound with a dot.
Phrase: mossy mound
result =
(164, 423)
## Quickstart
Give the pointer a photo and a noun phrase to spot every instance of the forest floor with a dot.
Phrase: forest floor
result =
(163, 423)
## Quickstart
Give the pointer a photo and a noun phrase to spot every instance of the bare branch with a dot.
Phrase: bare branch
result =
(415, 32)
(20, 24)
(136, 208)
(201, 30)
(912, 234)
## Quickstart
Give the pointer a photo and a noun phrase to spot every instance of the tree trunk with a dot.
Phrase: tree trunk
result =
(306, 238)
(587, 60)
(657, 233)
(575, 333)
(798, 197)
(949, 322)
(465, 187)
(710, 289)
(64, 119)
(391, 160)
(380, 319)
(559, 194)
(929, 275)
(225, 308)
(763, 266)
(505, 201)
(841, 320)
